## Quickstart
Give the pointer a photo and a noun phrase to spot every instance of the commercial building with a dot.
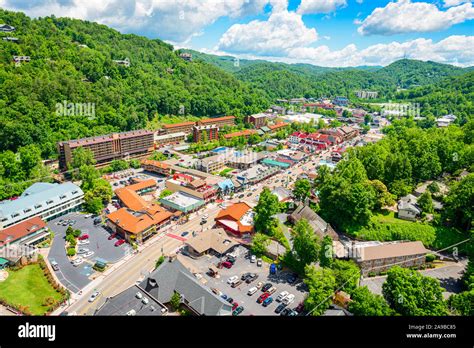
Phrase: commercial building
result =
(274, 163)
(277, 126)
(185, 127)
(29, 232)
(244, 159)
(366, 94)
(106, 148)
(205, 133)
(340, 101)
(245, 133)
(193, 186)
(45, 200)
(214, 242)
(256, 174)
(180, 201)
(171, 138)
(156, 167)
(220, 122)
(236, 219)
(258, 120)
(212, 164)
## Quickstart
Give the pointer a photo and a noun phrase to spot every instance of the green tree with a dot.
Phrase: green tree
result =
(260, 242)
(383, 197)
(410, 293)
(175, 301)
(321, 284)
(118, 165)
(92, 203)
(347, 275)
(302, 190)
(459, 203)
(462, 303)
(160, 260)
(306, 246)
(365, 303)
(30, 157)
(87, 174)
(326, 255)
(165, 193)
(265, 209)
(425, 202)
(82, 157)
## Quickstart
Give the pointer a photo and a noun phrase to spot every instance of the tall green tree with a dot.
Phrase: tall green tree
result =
(321, 284)
(326, 254)
(365, 303)
(459, 203)
(425, 202)
(302, 190)
(347, 275)
(306, 245)
(265, 209)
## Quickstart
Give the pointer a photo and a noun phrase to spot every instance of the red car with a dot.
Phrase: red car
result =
(83, 237)
(234, 306)
(119, 242)
(227, 264)
(263, 297)
(112, 236)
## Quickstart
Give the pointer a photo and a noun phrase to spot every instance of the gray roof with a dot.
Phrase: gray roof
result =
(27, 205)
(173, 277)
(409, 202)
(127, 300)
(320, 227)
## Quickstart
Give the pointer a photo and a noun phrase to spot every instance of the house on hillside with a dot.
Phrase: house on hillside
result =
(408, 208)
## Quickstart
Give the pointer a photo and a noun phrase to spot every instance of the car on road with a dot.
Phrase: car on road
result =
(76, 262)
(266, 287)
(279, 308)
(252, 291)
(267, 301)
(238, 310)
(83, 237)
(88, 254)
(119, 242)
(112, 236)
(232, 279)
(253, 259)
(282, 295)
(184, 234)
(263, 297)
(82, 250)
(84, 242)
(94, 296)
(289, 299)
(55, 265)
(249, 194)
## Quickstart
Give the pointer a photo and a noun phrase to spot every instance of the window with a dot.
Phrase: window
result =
(62, 196)
(27, 210)
(74, 192)
(50, 201)
(15, 215)
(38, 206)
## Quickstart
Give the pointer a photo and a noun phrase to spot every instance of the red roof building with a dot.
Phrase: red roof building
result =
(237, 219)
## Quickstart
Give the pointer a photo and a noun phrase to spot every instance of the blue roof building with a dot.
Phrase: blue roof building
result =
(41, 199)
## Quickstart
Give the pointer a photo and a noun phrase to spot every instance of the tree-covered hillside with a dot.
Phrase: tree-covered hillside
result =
(72, 60)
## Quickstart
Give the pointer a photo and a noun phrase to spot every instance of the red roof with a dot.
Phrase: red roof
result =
(22, 229)
(244, 133)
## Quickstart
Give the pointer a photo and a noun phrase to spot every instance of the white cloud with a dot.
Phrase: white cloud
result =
(405, 16)
(175, 20)
(320, 6)
(282, 31)
(450, 3)
(456, 49)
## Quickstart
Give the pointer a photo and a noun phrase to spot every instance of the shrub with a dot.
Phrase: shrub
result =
(430, 257)
(71, 252)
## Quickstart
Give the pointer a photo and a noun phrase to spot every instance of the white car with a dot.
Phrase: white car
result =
(232, 279)
(82, 250)
(83, 242)
(282, 296)
(252, 291)
(77, 261)
(288, 299)
(88, 254)
(94, 296)
(253, 259)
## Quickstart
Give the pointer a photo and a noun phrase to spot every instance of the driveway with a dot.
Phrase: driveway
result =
(239, 294)
(448, 276)
(76, 278)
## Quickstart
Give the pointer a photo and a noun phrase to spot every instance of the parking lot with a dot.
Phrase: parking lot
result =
(239, 293)
(76, 278)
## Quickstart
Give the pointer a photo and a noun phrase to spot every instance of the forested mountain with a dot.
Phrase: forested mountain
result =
(73, 61)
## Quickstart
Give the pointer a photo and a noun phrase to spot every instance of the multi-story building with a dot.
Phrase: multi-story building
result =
(106, 148)
(366, 94)
(29, 232)
(245, 133)
(218, 121)
(340, 101)
(212, 164)
(193, 186)
(277, 126)
(256, 174)
(171, 138)
(258, 120)
(185, 127)
(41, 199)
(205, 133)
(156, 167)
(186, 56)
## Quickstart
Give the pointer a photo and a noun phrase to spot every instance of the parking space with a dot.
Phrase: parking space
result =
(76, 278)
(239, 294)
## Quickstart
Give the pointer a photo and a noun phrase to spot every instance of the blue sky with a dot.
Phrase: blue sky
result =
(320, 32)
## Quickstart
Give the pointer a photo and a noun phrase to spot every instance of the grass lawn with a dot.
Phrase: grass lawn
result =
(28, 287)
(226, 171)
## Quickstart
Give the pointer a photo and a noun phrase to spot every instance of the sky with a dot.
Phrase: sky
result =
(321, 32)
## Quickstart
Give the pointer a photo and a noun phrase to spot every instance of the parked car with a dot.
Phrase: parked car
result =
(245, 276)
(272, 290)
(285, 312)
(251, 278)
(184, 234)
(232, 279)
(279, 308)
(84, 242)
(263, 297)
(253, 259)
(272, 268)
(238, 310)
(259, 285)
(230, 300)
(216, 291)
(88, 254)
(227, 264)
(234, 306)
(259, 262)
(252, 291)
(119, 242)
(266, 287)
(267, 301)
(224, 296)
(282, 295)
(83, 237)
(82, 250)
(289, 299)
(55, 265)
(292, 278)
(300, 308)
(241, 196)
(236, 284)
(293, 313)
(231, 259)
(112, 236)
(77, 261)
(97, 221)
(94, 296)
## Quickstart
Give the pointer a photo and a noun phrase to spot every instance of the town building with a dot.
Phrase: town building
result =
(220, 122)
(5, 28)
(125, 62)
(171, 138)
(366, 94)
(277, 164)
(344, 132)
(243, 159)
(181, 201)
(29, 232)
(320, 227)
(340, 101)
(205, 133)
(236, 219)
(11, 39)
(210, 242)
(277, 126)
(45, 200)
(212, 164)
(186, 56)
(244, 133)
(408, 208)
(129, 196)
(156, 167)
(193, 186)
(258, 120)
(19, 59)
(445, 121)
(256, 174)
(106, 148)
(185, 127)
